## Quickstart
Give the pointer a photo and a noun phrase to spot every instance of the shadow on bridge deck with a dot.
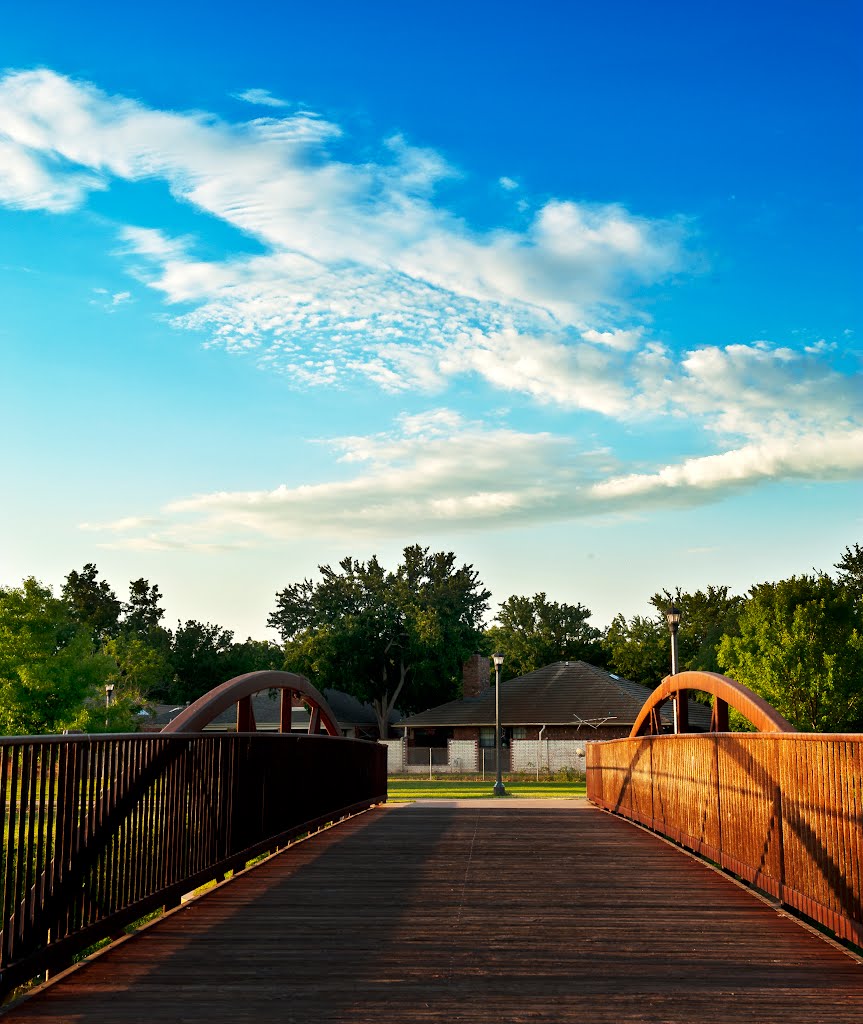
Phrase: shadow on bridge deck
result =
(508, 911)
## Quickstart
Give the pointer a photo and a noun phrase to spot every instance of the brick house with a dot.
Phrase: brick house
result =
(568, 700)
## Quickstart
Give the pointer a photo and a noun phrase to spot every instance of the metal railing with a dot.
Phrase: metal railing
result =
(99, 831)
(782, 811)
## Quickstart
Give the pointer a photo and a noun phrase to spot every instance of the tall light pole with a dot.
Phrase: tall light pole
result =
(499, 789)
(109, 700)
(672, 617)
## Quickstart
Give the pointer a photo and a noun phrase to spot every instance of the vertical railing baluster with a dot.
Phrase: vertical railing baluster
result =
(10, 780)
(28, 898)
(22, 788)
(97, 825)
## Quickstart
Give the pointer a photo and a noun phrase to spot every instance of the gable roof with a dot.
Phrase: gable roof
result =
(564, 693)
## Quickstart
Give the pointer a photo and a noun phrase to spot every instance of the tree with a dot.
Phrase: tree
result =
(706, 616)
(138, 668)
(201, 656)
(141, 613)
(253, 656)
(48, 666)
(800, 645)
(94, 604)
(533, 631)
(638, 648)
(389, 638)
(850, 567)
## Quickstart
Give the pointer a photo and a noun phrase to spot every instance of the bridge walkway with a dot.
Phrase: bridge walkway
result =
(504, 911)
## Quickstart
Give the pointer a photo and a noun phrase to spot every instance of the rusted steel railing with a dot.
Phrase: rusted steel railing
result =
(782, 811)
(102, 830)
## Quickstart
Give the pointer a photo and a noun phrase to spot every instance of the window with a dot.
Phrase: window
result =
(519, 732)
(486, 736)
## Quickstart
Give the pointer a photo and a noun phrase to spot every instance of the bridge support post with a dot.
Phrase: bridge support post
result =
(681, 705)
(245, 715)
(286, 703)
(719, 718)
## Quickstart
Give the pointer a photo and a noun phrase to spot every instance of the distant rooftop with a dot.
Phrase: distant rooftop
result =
(564, 693)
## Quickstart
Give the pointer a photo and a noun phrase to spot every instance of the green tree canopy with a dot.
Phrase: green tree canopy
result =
(48, 665)
(388, 637)
(850, 567)
(201, 657)
(638, 648)
(142, 613)
(706, 616)
(253, 656)
(800, 645)
(532, 631)
(94, 604)
(140, 670)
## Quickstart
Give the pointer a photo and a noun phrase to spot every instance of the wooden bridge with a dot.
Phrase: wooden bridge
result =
(506, 910)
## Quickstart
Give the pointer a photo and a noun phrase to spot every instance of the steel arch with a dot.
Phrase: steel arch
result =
(727, 693)
(239, 691)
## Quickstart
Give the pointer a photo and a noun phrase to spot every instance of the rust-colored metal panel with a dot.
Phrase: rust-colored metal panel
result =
(784, 811)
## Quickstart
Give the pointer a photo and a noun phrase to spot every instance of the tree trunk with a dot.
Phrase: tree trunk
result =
(384, 705)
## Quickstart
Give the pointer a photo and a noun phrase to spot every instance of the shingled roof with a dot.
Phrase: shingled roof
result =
(560, 694)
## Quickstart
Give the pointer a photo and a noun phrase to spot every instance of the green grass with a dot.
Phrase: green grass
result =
(404, 790)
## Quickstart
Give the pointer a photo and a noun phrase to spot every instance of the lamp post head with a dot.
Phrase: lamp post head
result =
(672, 617)
(497, 659)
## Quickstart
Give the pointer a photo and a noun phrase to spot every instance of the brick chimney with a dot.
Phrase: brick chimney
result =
(476, 675)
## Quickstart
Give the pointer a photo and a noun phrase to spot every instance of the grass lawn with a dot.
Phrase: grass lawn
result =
(403, 790)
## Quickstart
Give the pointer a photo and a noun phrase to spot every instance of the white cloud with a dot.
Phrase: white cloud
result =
(260, 97)
(509, 184)
(110, 302)
(439, 470)
(362, 270)
(34, 181)
(834, 456)
(760, 390)
(433, 469)
(622, 340)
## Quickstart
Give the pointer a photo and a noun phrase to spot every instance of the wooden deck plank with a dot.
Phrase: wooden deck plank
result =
(502, 913)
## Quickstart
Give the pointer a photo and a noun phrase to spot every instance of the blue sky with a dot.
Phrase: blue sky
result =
(573, 291)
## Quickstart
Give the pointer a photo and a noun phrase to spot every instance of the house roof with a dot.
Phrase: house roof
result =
(565, 693)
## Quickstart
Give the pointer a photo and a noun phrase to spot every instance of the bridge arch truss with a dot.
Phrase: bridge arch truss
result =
(727, 693)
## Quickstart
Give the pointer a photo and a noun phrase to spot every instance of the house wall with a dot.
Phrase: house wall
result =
(554, 732)
(463, 755)
(547, 756)
(395, 755)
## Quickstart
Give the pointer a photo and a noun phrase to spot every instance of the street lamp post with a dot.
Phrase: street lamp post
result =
(672, 617)
(109, 700)
(499, 789)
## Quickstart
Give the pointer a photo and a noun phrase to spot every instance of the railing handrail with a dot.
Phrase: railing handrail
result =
(726, 693)
(240, 690)
(779, 810)
(104, 828)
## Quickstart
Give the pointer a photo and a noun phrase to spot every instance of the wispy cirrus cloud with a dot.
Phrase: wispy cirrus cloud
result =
(439, 470)
(260, 97)
(363, 270)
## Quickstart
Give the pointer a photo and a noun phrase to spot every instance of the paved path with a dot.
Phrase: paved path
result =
(475, 911)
